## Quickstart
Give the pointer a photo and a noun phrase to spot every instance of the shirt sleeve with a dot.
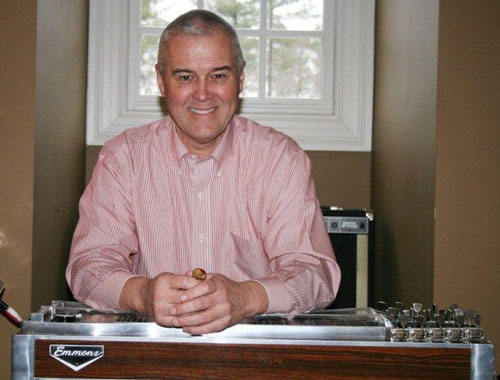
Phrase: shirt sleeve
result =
(105, 237)
(304, 273)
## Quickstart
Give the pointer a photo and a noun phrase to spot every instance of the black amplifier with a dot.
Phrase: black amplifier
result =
(352, 234)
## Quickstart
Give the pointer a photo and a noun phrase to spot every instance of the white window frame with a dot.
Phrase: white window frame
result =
(341, 121)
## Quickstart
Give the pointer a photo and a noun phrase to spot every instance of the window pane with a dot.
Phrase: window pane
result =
(250, 47)
(295, 14)
(293, 68)
(162, 12)
(239, 13)
(149, 53)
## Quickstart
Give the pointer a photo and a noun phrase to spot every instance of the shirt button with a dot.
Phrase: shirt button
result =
(200, 195)
(219, 174)
(201, 236)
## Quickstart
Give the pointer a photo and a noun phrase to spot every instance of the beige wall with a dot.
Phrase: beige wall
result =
(403, 158)
(17, 132)
(42, 149)
(59, 143)
(467, 239)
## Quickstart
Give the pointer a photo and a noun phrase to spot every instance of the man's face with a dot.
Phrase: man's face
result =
(201, 85)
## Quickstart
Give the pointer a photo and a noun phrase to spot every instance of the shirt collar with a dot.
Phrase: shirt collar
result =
(179, 149)
(221, 154)
(223, 151)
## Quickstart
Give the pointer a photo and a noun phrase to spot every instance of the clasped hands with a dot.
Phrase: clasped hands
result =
(199, 307)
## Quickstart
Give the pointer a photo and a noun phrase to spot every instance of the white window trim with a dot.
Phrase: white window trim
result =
(346, 125)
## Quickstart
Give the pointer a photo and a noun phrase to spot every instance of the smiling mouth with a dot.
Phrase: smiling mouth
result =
(203, 112)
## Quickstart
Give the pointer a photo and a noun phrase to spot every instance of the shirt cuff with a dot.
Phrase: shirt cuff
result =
(277, 294)
(107, 294)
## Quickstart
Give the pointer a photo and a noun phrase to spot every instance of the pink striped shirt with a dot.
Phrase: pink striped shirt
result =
(249, 211)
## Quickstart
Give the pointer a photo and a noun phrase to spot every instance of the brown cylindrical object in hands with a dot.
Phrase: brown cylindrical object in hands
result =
(199, 274)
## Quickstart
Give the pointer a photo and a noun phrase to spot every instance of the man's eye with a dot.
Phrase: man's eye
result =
(219, 76)
(184, 78)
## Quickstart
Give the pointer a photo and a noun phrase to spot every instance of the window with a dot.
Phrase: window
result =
(309, 69)
(281, 39)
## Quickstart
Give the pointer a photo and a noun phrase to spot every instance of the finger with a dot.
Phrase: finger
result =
(197, 318)
(166, 290)
(167, 297)
(169, 288)
(193, 306)
(213, 326)
(165, 320)
(202, 288)
(177, 281)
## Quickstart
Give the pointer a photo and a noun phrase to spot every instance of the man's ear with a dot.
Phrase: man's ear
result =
(159, 79)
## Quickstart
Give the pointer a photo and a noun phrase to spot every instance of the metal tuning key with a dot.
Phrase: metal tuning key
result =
(399, 306)
(459, 318)
(439, 320)
(418, 332)
(382, 306)
(434, 309)
(391, 313)
(437, 334)
(469, 318)
(417, 307)
(477, 319)
(422, 320)
(400, 334)
(403, 320)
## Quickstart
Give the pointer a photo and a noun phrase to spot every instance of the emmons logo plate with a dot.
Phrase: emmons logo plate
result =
(75, 356)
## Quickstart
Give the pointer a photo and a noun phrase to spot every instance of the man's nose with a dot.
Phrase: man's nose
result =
(202, 90)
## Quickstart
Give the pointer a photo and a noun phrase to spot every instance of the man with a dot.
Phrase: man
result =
(202, 188)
